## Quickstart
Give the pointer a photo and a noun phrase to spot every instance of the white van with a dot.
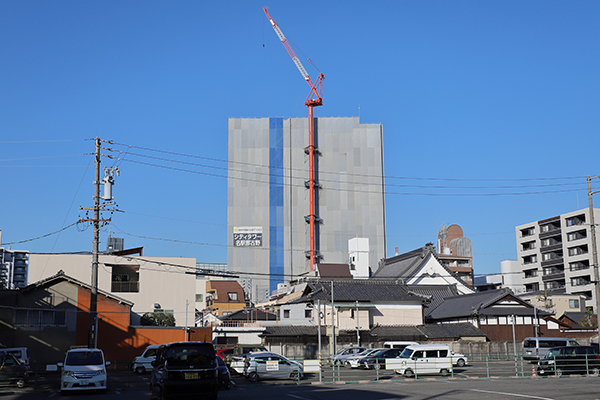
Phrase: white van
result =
(535, 348)
(20, 354)
(425, 359)
(398, 344)
(143, 363)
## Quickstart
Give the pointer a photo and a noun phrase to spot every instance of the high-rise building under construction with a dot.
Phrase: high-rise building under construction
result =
(268, 202)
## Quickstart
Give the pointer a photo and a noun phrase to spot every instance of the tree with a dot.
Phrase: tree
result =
(158, 319)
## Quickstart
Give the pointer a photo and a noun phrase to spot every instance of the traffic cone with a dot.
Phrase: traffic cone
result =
(533, 374)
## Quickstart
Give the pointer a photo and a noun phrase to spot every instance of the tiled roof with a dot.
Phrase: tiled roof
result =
(419, 333)
(492, 302)
(60, 275)
(361, 290)
(334, 271)
(405, 266)
(250, 315)
(437, 293)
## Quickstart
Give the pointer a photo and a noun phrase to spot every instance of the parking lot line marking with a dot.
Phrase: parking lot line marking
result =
(511, 394)
(298, 397)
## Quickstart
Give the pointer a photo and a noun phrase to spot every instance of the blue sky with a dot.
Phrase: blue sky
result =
(482, 104)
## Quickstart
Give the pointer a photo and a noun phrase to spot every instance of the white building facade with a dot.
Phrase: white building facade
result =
(557, 253)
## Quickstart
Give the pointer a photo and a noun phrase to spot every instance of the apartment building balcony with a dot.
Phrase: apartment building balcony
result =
(556, 274)
(553, 261)
(552, 247)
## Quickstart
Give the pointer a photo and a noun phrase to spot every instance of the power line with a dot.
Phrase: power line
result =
(40, 237)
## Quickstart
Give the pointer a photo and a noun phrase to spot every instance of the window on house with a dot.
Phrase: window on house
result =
(286, 313)
(573, 303)
(307, 313)
(199, 298)
(40, 318)
(125, 278)
(232, 296)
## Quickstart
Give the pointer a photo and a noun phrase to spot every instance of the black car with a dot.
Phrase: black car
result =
(224, 375)
(183, 369)
(570, 360)
(12, 372)
(377, 360)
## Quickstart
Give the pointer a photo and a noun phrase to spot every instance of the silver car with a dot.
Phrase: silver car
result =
(266, 365)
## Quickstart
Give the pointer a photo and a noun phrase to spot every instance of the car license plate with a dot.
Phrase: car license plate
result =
(84, 383)
(191, 375)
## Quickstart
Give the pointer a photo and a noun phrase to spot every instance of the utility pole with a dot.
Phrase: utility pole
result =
(93, 327)
(594, 246)
(107, 182)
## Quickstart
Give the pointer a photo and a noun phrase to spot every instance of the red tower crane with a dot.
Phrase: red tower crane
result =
(314, 99)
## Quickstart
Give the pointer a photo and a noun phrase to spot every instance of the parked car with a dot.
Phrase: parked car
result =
(535, 348)
(12, 371)
(83, 369)
(20, 354)
(425, 359)
(340, 358)
(570, 360)
(266, 365)
(183, 369)
(460, 360)
(236, 360)
(223, 353)
(377, 359)
(224, 375)
(143, 363)
(398, 344)
(354, 361)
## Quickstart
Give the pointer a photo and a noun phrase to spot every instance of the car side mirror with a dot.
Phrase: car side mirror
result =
(107, 363)
(60, 365)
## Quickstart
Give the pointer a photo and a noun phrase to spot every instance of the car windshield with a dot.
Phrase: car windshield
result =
(188, 355)
(84, 358)
(553, 353)
(406, 353)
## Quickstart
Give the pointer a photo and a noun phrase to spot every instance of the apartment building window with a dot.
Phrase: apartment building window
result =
(575, 251)
(582, 234)
(532, 287)
(545, 228)
(580, 281)
(579, 265)
(528, 246)
(552, 285)
(530, 273)
(573, 303)
(530, 259)
(528, 231)
(576, 220)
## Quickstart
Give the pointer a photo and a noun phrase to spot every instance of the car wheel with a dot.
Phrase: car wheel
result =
(21, 383)
(409, 373)
(253, 377)
(444, 372)
(140, 370)
(294, 375)
(460, 362)
(559, 372)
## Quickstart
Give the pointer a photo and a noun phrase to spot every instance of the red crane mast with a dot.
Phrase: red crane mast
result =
(314, 99)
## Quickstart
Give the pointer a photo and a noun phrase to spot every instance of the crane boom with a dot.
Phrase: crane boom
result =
(316, 88)
(314, 99)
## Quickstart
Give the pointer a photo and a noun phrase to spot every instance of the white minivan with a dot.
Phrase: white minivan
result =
(143, 363)
(83, 369)
(425, 359)
(535, 348)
